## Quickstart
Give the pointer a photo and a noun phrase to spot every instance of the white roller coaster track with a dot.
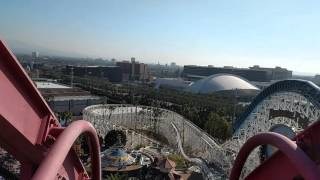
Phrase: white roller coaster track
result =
(299, 99)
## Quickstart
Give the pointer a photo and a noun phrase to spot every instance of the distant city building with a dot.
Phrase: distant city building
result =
(133, 62)
(165, 71)
(134, 70)
(122, 71)
(254, 73)
(171, 83)
(173, 64)
(276, 73)
(113, 61)
(35, 55)
(112, 73)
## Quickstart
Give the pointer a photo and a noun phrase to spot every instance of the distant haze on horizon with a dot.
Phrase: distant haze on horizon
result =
(221, 33)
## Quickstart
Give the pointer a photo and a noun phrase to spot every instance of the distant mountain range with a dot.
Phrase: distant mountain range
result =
(20, 47)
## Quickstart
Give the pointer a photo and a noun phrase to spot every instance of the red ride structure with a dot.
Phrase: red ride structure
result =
(31, 133)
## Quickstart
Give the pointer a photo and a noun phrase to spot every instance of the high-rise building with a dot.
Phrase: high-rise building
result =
(173, 64)
(134, 70)
(133, 61)
(35, 55)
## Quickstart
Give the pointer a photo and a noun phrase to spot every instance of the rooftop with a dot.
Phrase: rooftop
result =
(50, 85)
(220, 82)
(81, 97)
(61, 91)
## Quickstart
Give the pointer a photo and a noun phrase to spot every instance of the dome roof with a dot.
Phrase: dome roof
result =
(116, 157)
(118, 153)
(220, 82)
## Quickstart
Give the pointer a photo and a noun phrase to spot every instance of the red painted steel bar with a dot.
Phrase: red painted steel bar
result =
(50, 166)
(26, 121)
(306, 167)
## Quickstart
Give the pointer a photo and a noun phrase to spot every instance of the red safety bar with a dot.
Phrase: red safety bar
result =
(299, 159)
(29, 128)
(49, 167)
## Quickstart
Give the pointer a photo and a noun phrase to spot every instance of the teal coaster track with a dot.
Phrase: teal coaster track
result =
(305, 88)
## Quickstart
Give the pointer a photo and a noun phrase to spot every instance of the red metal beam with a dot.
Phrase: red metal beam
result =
(58, 152)
(26, 120)
(21, 103)
(298, 158)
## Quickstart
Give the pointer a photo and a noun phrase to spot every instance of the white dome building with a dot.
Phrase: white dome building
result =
(220, 82)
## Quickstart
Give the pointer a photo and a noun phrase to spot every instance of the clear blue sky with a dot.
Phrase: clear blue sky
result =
(227, 32)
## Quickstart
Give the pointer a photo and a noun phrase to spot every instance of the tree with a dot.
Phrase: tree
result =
(178, 159)
(117, 177)
(115, 136)
(217, 126)
(65, 117)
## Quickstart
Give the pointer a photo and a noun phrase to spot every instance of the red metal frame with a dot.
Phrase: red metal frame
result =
(298, 158)
(49, 167)
(28, 128)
